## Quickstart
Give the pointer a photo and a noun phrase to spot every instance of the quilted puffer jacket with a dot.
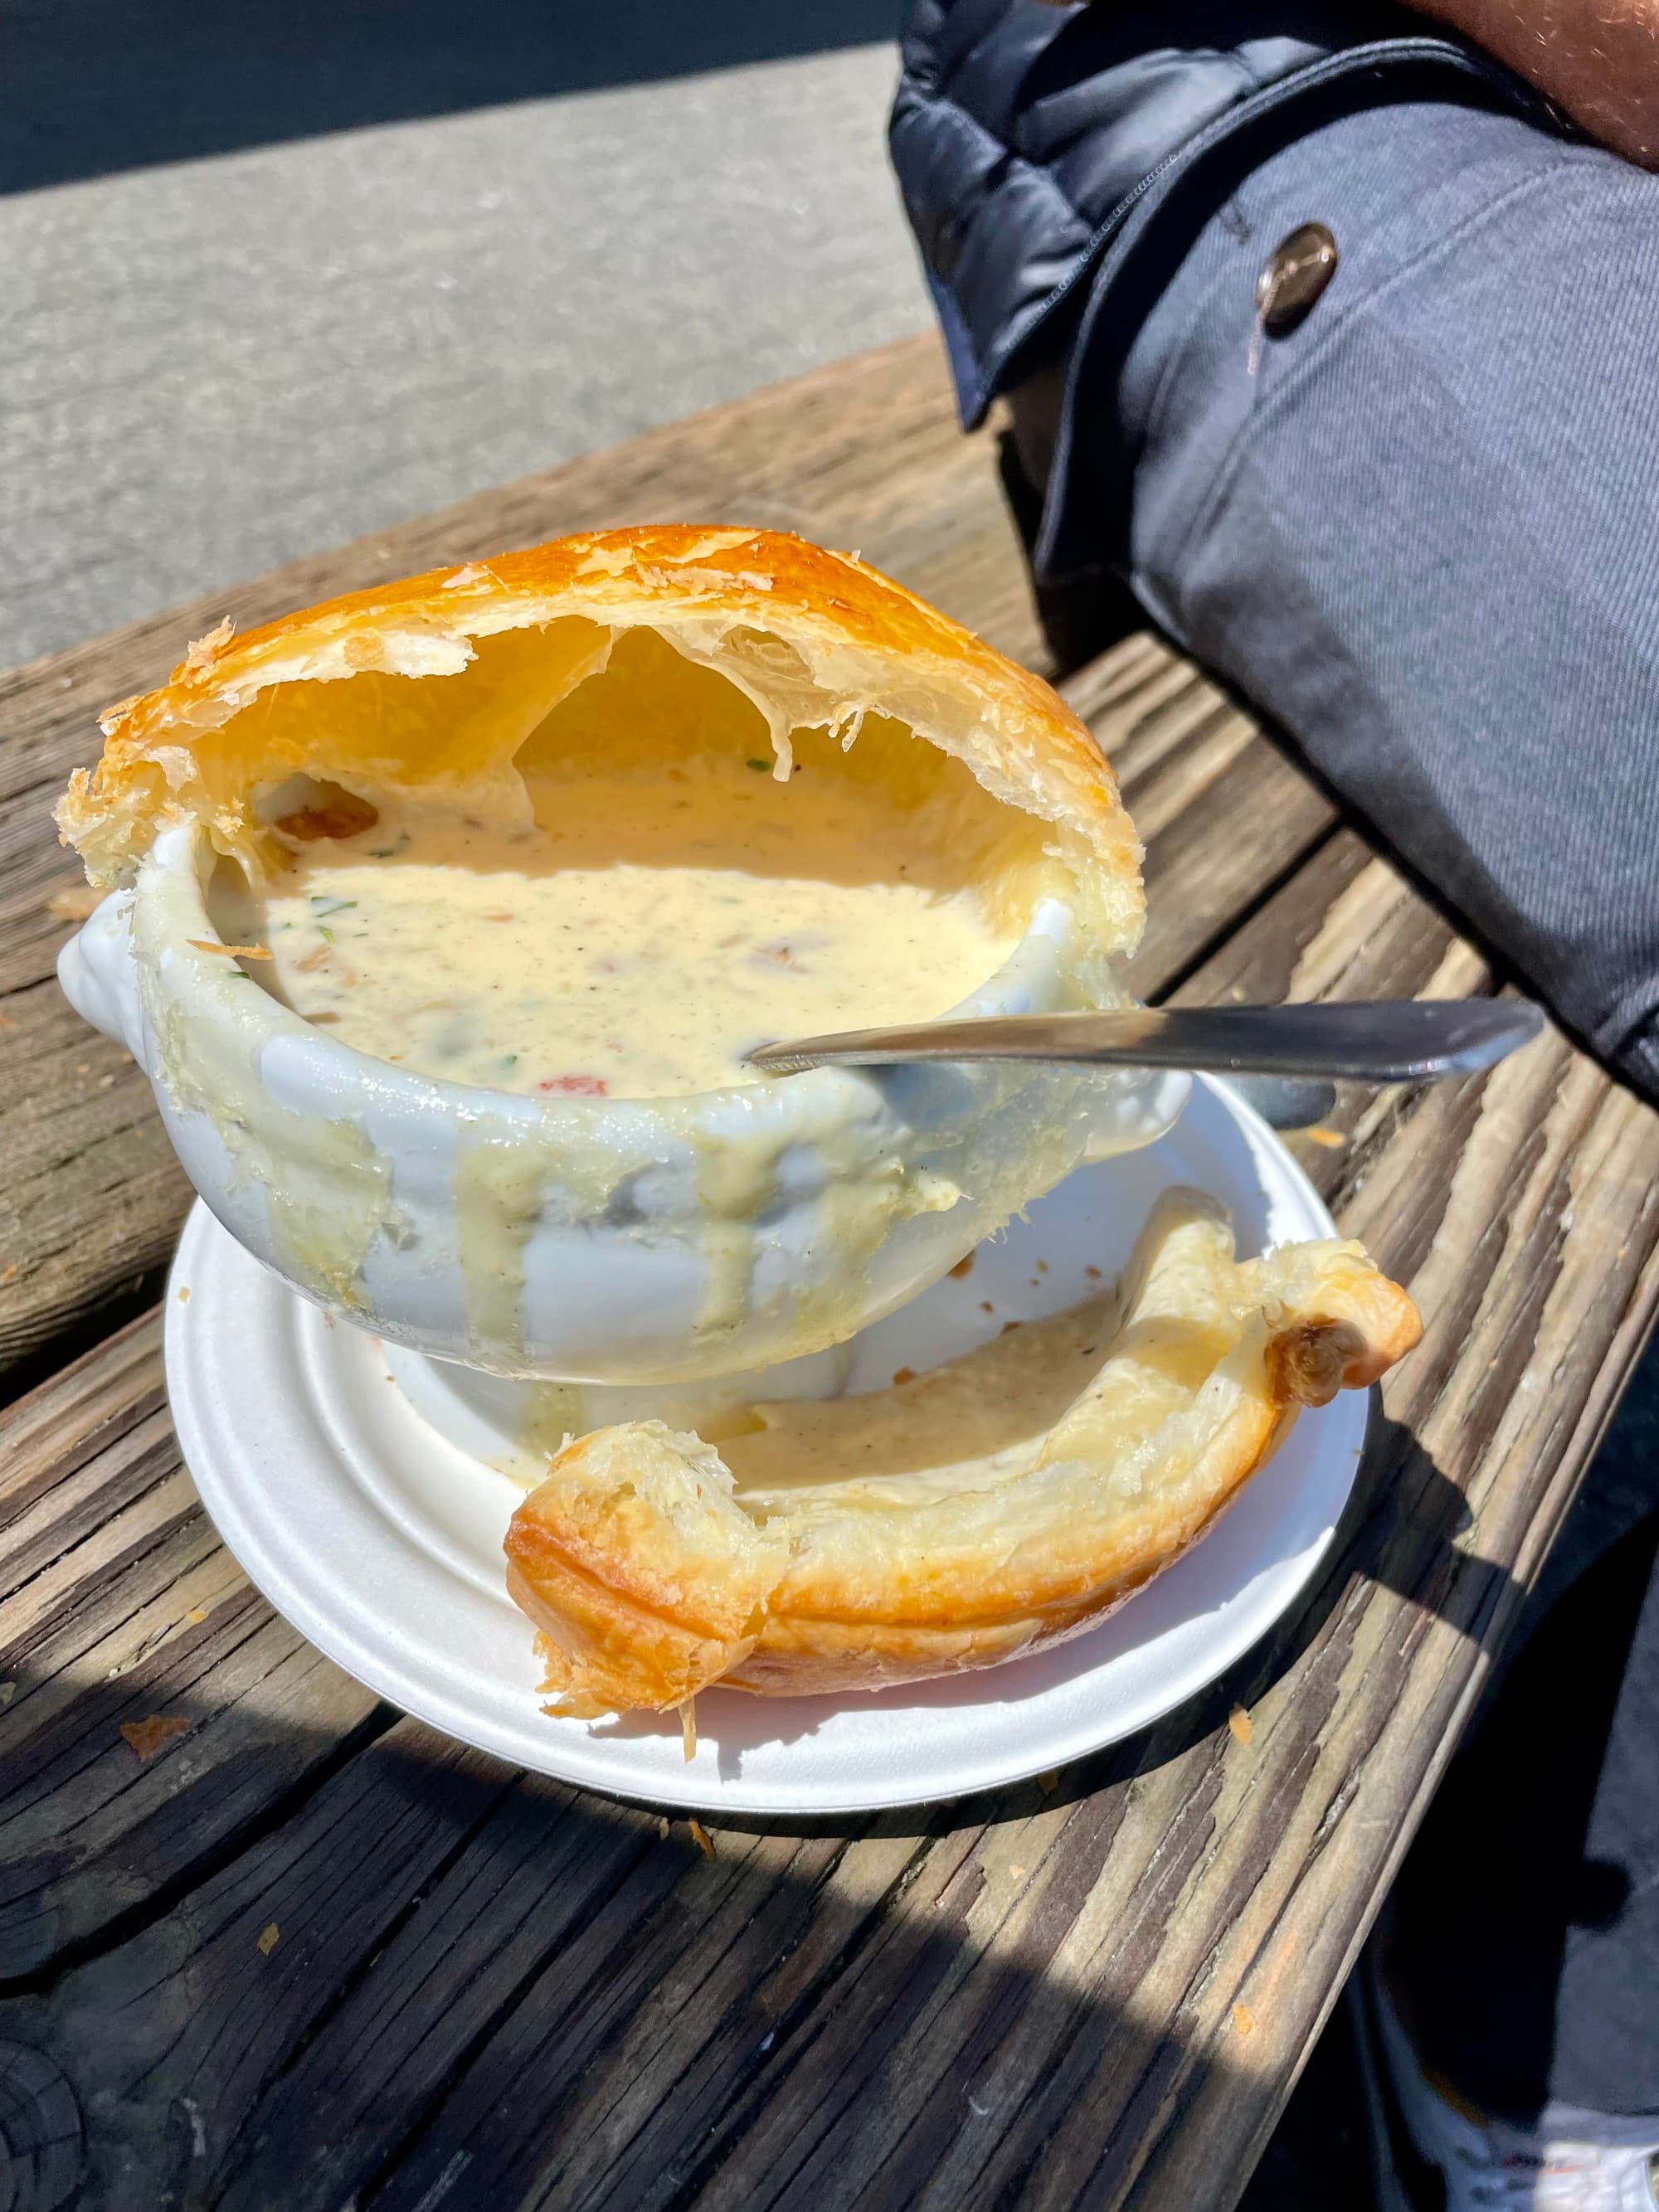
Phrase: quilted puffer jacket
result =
(1033, 142)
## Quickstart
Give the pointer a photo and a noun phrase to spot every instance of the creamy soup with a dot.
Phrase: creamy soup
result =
(635, 943)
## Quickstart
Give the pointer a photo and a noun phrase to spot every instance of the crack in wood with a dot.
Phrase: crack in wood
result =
(121, 1926)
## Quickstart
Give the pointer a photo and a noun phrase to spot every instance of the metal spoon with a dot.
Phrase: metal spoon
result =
(1378, 1041)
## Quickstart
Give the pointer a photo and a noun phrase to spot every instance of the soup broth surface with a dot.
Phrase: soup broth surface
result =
(635, 943)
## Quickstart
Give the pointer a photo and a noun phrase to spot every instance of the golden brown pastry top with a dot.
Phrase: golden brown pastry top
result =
(813, 637)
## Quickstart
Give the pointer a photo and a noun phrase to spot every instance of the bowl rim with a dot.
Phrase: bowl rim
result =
(181, 858)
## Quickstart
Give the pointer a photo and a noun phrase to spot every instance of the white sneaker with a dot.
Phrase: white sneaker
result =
(1432, 2153)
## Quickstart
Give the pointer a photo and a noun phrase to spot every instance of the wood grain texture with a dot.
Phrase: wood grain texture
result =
(118, 1604)
(495, 1992)
(303, 1953)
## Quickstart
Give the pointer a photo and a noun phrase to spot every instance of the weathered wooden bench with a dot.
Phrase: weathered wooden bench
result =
(299, 1952)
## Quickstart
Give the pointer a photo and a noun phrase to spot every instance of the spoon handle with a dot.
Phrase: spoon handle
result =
(1378, 1041)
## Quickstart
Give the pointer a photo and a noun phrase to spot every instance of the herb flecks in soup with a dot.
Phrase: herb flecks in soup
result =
(634, 943)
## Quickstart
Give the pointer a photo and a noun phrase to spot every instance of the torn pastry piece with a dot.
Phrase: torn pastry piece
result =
(1002, 1501)
(647, 1579)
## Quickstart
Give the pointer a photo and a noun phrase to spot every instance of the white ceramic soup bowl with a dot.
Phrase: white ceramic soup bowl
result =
(606, 1240)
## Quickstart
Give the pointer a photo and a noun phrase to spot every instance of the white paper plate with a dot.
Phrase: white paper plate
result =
(381, 1541)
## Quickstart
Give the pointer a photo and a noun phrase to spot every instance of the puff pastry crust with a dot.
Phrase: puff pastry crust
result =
(441, 678)
(1004, 1501)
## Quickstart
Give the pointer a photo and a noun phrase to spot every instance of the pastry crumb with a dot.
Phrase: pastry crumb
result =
(232, 951)
(74, 902)
(1333, 1140)
(701, 1839)
(147, 1736)
(268, 1937)
(1244, 2020)
(1238, 1724)
(201, 654)
(904, 1375)
(963, 1267)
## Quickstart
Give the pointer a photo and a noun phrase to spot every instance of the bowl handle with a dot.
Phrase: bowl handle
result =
(99, 977)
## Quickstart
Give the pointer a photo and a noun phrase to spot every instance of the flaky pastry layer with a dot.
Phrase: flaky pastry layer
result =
(440, 681)
(1001, 1502)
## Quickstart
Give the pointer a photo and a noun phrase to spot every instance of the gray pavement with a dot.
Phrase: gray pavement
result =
(216, 355)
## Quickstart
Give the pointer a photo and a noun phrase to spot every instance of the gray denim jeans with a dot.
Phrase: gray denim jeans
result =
(1421, 529)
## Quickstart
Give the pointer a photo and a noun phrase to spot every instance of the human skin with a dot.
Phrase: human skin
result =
(1598, 60)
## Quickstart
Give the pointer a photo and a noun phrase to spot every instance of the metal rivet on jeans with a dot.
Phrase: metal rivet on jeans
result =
(1292, 277)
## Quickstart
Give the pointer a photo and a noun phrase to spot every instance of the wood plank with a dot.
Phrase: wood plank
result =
(683, 1955)
(91, 1195)
(1194, 768)
(1348, 925)
(491, 1992)
(1030, 1998)
(118, 1604)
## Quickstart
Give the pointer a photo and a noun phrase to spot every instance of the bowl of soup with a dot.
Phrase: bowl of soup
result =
(442, 919)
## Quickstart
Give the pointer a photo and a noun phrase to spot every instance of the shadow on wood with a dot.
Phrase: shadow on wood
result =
(434, 1971)
(1400, 1530)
